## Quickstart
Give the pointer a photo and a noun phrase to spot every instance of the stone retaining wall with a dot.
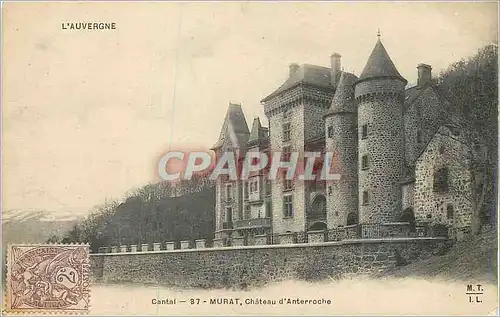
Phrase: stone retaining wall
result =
(258, 265)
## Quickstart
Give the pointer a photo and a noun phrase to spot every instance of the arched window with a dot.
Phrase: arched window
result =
(352, 219)
(408, 215)
(318, 208)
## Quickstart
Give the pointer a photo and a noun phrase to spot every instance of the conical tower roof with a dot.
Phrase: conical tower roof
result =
(380, 65)
(234, 127)
(343, 99)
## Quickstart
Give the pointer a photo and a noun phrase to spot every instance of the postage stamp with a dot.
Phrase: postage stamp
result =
(52, 278)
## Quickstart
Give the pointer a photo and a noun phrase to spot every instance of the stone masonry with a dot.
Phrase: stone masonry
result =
(241, 267)
(386, 147)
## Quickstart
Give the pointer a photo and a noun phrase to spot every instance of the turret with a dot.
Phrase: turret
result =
(341, 139)
(379, 94)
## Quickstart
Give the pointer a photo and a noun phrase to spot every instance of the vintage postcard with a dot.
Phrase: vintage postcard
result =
(249, 158)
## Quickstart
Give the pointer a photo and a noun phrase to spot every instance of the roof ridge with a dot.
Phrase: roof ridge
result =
(306, 74)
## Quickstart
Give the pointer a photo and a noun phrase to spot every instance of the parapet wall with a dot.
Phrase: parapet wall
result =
(258, 265)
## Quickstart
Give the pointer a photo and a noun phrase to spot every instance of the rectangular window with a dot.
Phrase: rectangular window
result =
(366, 198)
(287, 183)
(246, 190)
(419, 137)
(330, 132)
(287, 153)
(229, 214)
(229, 195)
(288, 206)
(286, 131)
(268, 187)
(449, 211)
(254, 186)
(364, 162)
(247, 214)
(441, 180)
(364, 131)
(268, 209)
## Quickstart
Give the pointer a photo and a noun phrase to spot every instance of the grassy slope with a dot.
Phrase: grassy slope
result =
(471, 261)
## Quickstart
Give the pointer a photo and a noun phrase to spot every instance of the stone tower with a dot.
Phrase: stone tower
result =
(233, 137)
(341, 139)
(295, 111)
(379, 93)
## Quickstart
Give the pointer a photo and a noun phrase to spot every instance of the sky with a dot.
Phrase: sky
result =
(87, 114)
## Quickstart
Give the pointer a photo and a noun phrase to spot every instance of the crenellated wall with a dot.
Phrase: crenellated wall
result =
(258, 265)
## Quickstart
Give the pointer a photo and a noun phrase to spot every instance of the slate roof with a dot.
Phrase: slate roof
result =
(343, 99)
(313, 75)
(379, 65)
(258, 133)
(235, 127)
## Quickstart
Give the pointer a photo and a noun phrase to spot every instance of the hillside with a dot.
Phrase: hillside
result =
(154, 213)
(468, 261)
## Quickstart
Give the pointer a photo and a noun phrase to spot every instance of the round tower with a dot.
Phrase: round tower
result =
(342, 140)
(379, 93)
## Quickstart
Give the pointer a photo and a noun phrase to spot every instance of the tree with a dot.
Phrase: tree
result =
(150, 214)
(54, 239)
(471, 87)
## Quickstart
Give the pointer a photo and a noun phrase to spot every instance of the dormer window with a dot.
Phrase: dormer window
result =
(419, 137)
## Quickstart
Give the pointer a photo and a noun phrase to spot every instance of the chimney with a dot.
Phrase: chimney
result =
(424, 74)
(335, 68)
(293, 68)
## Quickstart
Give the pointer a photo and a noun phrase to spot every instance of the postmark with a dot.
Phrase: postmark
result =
(48, 279)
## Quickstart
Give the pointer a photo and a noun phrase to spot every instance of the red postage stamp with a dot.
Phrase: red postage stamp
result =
(48, 278)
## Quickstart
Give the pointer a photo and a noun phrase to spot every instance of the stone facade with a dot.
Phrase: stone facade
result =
(291, 114)
(341, 131)
(451, 205)
(383, 137)
(379, 191)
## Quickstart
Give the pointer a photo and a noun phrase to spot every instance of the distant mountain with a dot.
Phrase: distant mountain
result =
(34, 226)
